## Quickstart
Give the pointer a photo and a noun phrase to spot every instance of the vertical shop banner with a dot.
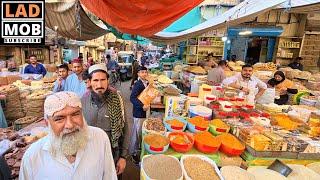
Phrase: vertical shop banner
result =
(22, 23)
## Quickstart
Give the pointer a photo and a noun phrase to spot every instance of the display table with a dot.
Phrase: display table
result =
(264, 161)
(215, 156)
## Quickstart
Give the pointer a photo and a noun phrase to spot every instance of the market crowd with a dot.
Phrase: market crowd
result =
(89, 136)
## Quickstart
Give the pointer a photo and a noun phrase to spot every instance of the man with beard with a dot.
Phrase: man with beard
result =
(104, 109)
(63, 71)
(34, 67)
(72, 149)
(247, 83)
(74, 82)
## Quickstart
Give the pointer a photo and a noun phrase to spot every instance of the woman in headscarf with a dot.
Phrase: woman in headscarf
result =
(283, 86)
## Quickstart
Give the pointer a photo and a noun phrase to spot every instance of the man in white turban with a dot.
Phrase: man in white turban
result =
(72, 149)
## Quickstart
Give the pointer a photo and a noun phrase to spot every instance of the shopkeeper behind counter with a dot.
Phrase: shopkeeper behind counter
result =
(247, 83)
(283, 86)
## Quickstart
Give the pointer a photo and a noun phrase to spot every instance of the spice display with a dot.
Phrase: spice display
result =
(207, 138)
(199, 169)
(162, 167)
(156, 140)
(175, 122)
(286, 122)
(181, 139)
(199, 121)
(235, 173)
(154, 124)
(219, 123)
(230, 145)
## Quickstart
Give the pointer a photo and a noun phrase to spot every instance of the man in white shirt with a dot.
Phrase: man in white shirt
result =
(72, 150)
(247, 83)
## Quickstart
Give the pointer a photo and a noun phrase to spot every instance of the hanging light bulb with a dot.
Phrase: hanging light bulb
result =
(224, 38)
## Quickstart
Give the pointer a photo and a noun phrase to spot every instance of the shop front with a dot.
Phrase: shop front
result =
(252, 45)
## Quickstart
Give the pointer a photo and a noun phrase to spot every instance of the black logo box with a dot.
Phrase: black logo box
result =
(21, 19)
(12, 23)
(14, 6)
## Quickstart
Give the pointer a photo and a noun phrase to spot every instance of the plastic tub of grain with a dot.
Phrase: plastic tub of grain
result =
(160, 167)
(235, 173)
(198, 167)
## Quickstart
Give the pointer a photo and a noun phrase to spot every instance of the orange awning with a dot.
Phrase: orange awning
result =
(140, 17)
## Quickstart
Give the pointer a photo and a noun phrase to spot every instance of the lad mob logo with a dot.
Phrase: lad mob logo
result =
(22, 22)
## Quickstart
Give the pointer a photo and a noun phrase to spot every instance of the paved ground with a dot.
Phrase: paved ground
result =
(132, 172)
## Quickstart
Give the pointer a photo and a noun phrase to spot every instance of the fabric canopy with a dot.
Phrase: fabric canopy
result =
(243, 12)
(140, 17)
(187, 21)
(63, 15)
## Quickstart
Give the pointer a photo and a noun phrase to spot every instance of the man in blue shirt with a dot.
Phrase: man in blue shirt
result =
(34, 67)
(74, 81)
(139, 110)
(59, 84)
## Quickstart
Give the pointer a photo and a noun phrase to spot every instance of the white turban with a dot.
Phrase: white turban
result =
(57, 101)
(95, 67)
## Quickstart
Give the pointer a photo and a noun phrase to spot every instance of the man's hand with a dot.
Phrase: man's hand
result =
(146, 108)
(121, 165)
(246, 90)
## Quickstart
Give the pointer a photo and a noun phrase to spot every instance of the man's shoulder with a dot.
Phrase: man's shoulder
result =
(35, 148)
(98, 134)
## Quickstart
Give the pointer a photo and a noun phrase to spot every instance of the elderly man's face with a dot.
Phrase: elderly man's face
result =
(67, 121)
(99, 82)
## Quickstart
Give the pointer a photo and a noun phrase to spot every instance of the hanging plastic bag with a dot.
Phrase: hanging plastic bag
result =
(267, 97)
(148, 95)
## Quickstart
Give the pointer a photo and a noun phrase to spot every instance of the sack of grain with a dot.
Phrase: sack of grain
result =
(235, 173)
(161, 167)
(24, 122)
(199, 167)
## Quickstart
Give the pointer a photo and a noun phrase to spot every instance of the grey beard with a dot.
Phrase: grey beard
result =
(68, 145)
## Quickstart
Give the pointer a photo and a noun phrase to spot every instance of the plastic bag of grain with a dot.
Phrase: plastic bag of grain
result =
(235, 173)
(314, 167)
(300, 172)
(198, 167)
(148, 95)
(261, 173)
(160, 167)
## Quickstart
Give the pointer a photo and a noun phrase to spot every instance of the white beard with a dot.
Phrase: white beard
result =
(68, 144)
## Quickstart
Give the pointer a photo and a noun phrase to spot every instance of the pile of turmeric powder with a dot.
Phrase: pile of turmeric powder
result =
(199, 121)
(207, 138)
